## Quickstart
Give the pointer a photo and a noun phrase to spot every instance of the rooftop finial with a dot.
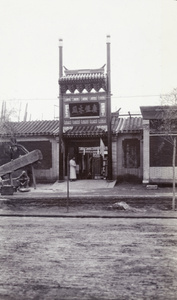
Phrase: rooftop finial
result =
(60, 42)
(108, 39)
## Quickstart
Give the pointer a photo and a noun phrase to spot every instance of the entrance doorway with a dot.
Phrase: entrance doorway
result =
(90, 164)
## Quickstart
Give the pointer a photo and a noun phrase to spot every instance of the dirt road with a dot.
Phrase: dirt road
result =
(63, 258)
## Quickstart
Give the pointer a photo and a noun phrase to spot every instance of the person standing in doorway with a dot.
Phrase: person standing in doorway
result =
(72, 165)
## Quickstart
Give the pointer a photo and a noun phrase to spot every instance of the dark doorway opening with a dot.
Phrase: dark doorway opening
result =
(90, 164)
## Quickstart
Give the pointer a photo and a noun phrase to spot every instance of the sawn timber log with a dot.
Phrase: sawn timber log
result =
(20, 162)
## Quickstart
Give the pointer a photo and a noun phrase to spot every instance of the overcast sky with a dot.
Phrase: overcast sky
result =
(143, 50)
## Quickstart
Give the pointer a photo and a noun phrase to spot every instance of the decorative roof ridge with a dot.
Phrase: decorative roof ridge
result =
(84, 71)
(86, 76)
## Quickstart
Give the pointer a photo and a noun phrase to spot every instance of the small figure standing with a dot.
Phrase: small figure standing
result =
(72, 165)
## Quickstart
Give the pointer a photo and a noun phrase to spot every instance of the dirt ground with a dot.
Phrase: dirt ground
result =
(88, 258)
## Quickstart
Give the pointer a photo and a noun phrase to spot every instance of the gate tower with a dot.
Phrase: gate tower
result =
(85, 119)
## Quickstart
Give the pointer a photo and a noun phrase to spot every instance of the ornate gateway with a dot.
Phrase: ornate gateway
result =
(84, 97)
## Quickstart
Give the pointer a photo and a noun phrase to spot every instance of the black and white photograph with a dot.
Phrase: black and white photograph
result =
(88, 149)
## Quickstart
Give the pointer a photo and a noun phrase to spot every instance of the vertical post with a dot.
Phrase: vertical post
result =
(109, 109)
(146, 152)
(68, 182)
(174, 181)
(60, 111)
(33, 175)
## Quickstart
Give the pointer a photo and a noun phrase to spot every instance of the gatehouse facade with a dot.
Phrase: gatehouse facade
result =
(85, 120)
(84, 125)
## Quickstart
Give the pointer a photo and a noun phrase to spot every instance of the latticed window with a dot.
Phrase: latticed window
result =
(131, 153)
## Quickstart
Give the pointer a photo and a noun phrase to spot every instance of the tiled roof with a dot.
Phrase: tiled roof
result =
(119, 125)
(85, 131)
(78, 77)
(158, 112)
(126, 125)
(83, 75)
(30, 128)
(80, 80)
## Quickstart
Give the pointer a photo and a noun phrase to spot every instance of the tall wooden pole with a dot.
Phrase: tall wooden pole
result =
(68, 182)
(174, 178)
(61, 177)
(109, 109)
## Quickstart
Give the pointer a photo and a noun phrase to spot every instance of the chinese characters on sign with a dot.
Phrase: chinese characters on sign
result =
(89, 109)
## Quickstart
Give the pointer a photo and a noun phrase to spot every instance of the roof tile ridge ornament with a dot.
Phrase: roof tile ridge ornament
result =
(90, 79)
(84, 71)
(102, 127)
(65, 129)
